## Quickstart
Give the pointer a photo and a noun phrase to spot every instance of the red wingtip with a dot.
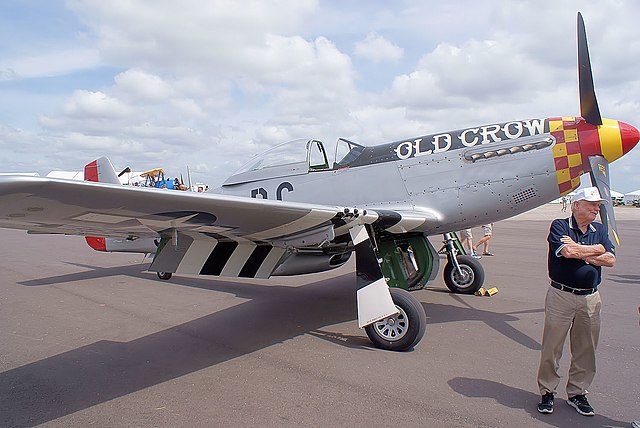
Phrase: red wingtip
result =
(630, 137)
(98, 244)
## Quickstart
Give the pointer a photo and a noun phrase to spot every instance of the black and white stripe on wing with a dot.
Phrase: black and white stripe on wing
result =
(201, 254)
(215, 250)
(246, 260)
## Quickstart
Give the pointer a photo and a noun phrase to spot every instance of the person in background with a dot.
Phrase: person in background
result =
(488, 233)
(467, 242)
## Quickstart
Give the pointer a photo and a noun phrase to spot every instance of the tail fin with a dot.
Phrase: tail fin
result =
(101, 170)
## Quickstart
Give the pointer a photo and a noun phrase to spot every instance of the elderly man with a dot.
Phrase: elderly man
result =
(578, 247)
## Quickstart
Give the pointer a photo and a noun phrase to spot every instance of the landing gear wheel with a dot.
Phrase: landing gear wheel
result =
(402, 331)
(164, 275)
(471, 279)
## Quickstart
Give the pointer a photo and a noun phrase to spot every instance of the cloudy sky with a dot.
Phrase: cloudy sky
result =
(210, 83)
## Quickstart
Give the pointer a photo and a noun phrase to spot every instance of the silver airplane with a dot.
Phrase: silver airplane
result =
(306, 206)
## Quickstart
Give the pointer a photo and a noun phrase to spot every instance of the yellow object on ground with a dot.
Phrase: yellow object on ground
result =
(490, 292)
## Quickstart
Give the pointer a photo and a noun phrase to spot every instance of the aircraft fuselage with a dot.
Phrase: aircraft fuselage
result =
(457, 179)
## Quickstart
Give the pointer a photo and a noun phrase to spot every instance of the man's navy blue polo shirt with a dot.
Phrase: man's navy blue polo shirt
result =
(575, 273)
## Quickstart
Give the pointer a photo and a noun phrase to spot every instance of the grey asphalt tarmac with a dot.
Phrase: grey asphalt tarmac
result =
(93, 339)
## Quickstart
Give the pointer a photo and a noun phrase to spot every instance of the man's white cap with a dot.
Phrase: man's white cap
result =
(590, 194)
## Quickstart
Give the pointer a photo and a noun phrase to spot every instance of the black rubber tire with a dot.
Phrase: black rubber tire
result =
(165, 276)
(403, 331)
(472, 279)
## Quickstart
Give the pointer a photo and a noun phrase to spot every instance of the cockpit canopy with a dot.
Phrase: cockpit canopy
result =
(296, 157)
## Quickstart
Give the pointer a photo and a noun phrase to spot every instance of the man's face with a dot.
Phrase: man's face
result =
(586, 211)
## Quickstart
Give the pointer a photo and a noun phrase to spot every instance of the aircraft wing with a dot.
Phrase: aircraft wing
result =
(201, 233)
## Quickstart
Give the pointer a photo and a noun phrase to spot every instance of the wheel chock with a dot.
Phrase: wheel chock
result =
(490, 292)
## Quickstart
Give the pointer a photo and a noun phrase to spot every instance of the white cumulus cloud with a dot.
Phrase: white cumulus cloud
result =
(378, 49)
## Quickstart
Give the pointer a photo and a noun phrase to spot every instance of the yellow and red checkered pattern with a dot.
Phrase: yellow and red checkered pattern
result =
(566, 153)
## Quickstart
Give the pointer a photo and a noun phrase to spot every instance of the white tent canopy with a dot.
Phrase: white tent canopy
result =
(631, 196)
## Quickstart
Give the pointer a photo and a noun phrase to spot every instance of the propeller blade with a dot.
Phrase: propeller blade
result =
(588, 102)
(600, 178)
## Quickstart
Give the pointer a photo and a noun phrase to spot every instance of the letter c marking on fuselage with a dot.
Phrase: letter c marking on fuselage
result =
(283, 186)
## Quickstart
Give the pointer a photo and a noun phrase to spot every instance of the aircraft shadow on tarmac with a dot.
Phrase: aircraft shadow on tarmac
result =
(516, 398)
(436, 313)
(104, 370)
(99, 372)
(91, 272)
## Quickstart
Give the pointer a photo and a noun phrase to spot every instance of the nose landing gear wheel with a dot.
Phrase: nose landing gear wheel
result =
(402, 331)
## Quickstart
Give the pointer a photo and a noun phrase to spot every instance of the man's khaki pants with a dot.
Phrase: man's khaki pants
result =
(580, 315)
